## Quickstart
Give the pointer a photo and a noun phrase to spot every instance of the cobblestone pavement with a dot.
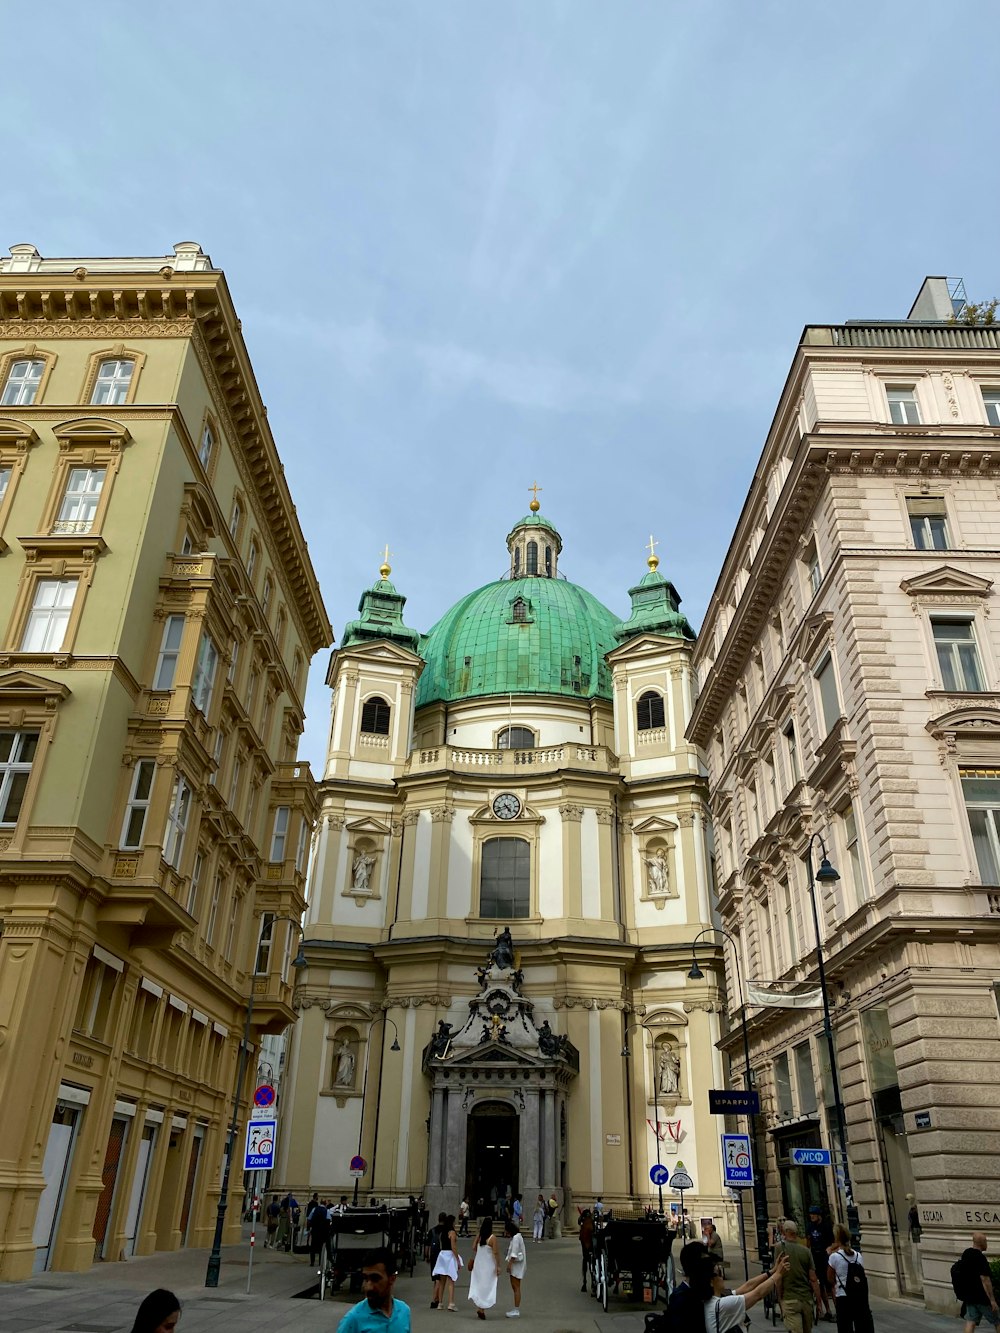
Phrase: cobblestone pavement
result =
(104, 1300)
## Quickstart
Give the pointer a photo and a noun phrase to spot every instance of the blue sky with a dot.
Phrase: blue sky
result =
(478, 242)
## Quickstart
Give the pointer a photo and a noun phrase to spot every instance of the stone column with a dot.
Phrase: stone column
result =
(530, 1182)
(572, 816)
(434, 1160)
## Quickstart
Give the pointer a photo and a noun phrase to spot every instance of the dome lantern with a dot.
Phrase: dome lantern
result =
(534, 544)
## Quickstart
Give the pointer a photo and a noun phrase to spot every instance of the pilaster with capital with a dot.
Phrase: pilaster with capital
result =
(571, 819)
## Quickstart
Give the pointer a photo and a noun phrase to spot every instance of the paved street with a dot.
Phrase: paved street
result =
(105, 1299)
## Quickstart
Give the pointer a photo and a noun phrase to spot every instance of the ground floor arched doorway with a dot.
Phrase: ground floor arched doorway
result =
(492, 1157)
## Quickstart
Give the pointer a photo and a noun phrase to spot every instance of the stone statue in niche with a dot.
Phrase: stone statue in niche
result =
(549, 1042)
(657, 874)
(502, 956)
(364, 864)
(669, 1073)
(344, 1077)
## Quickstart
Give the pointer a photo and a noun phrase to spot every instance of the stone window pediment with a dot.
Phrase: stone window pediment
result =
(655, 824)
(947, 582)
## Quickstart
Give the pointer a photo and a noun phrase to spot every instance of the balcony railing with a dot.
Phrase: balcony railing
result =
(548, 758)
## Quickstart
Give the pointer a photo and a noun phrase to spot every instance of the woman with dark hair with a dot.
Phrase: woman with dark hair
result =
(448, 1262)
(483, 1288)
(158, 1313)
(724, 1312)
(516, 1263)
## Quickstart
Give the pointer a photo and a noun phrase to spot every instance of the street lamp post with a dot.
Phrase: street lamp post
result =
(656, 1105)
(759, 1186)
(215, 1258)
(827, 875)
(384, 1018)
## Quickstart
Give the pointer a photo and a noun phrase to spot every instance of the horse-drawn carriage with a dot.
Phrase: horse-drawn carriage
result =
(633, 1252)
(358, 1230)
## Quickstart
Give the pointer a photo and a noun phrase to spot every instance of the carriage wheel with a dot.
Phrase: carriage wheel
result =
(602, 1281)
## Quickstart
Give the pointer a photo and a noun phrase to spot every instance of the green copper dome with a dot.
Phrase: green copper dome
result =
(520, 636)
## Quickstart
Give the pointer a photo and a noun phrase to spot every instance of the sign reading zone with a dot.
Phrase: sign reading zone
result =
(737, 1167)
(260, 1145)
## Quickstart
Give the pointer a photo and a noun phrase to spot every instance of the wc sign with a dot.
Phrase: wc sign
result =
(259, 1154)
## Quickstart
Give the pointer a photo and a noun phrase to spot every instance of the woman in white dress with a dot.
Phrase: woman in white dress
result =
(516, 1263)
(447, 1264)
(485, 1268)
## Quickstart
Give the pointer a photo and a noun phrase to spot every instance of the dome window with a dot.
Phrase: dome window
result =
(519, 611)
(505, 879)
(548, 562)
(517, 561)
(516, 738)
(649, 711)
(532, 565)
(375, 715)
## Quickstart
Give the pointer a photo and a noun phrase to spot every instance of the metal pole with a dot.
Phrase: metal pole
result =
(215, 1258)
(656, 1117)
(253, 1239)
(853, 1220)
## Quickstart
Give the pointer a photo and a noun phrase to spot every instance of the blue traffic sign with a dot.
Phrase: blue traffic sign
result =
(737, 1164)
(809, 1157)
(658, 1174)
(259, 1154)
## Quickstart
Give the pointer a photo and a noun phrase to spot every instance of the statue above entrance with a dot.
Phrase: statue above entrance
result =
(502, 956)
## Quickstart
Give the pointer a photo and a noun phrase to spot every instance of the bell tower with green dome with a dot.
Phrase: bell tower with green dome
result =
(516, 773)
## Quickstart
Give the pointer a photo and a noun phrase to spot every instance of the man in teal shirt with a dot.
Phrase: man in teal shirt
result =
(379, 1312)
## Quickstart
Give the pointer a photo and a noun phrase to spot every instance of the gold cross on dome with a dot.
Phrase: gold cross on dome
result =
(651, 547)
(535, 506)
(652, 560)
(385, 569)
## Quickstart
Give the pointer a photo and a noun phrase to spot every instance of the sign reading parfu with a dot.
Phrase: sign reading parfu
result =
(260, 1145)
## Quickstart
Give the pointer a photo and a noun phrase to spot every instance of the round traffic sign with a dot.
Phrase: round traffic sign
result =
(358, 1166)
(264, 1096)
(680, 1180)
(658, 1174)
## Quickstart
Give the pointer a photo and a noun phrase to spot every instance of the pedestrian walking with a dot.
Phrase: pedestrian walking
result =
(448, 1262)
(380, 1311)
(799, 1286)
(434, 1237)
(552, 1208)
(157, 1313)
(464, 1213)
(485, 1269)
(586, 1234)
(273, 1216)
(819, 1238)
(516, 1263)
(517, 1211)
(973, 1285)
(538, 1219)
(320, 1228)
(850, 1285)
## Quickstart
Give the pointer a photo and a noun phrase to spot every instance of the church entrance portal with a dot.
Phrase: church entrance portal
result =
(491, 1157)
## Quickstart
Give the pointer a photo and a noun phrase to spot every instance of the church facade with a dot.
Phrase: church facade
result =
(513, 859)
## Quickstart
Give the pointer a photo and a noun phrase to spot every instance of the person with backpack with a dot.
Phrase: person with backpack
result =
(973, 1285)
(850, 1285)
(433, 1250)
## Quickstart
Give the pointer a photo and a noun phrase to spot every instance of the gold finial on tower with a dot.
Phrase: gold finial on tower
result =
(652, 560)
(534, 506)
(385, 569)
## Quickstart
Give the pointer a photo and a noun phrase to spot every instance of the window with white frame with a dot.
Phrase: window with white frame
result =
(195, 886)
(234, 658)
(23, 380)
(903, 409)
(48, 619)
(234, 786)
(220, 740)
(204, 673)
(170, 647)
(17, 754)
(112, 384)
(991, 401)
(280, 835)
(262, 964)
(826, 683)
(815, 572)
(252, 691)
(958, 653)
(5, 476)
(207, 446)
(753, 811)
(783, 1086)
(300, 850)
(187, 545)
(805, 1078)
(792, 753)
(928, 522)
(505, 878)
(137, 809)
(265, 597)
(177, 822)
(213, 910)
(981, 790)
(771, 802)
(252, 559)
(97, 995)
(855, 855)
(81, 497)
(234, 925)
(235, 518)
(788, 933)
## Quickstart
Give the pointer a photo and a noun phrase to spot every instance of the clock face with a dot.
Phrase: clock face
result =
(506, 806)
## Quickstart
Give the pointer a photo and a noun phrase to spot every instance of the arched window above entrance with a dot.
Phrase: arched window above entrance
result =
(505, 878)
(375, 714)
(649, 711)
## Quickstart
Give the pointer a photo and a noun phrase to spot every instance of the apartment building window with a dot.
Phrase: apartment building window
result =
(855, 855)
(300, 850)
(903, 410)
(252, 559)
(753, 811)
(234, 786)
(170, 647)
(195, 886)
(505, 878)
(375, 714)
(280, 835)
(805, 1079)
(80, 500)
(204, 674)
(220, 741)
(187, 545)
(23, 380)
(100, 981)
(783, 1086)
(207, 446)
(48, 619)
(928, 522)
(792, 751)
(826, 683)
(958, 654)
(233, 660)
(234, 926)
(235, 519)
(981, 790)
(788, 936)
(265, 597)
(991, 401)
(649, 711)
(252, 691)
(262, 965)
(770, 785)
(17, 753)
(5, 476)
(113, 381)
(213, 911)
(137, 809)
(177, 822)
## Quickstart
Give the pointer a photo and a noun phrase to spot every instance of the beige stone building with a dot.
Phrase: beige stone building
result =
(849, 685)
(520, 767)
(158, 611)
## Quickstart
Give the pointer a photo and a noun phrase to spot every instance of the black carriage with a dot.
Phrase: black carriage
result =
(632, 1251)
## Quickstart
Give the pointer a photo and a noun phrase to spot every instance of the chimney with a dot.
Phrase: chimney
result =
(938, 300)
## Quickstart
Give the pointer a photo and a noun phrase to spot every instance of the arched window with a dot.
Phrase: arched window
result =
(532, 558)
(548, 561)
(649, 711)
(375, 716)
(519, 611)
(516, 738)
(505, 878)
(517, 560)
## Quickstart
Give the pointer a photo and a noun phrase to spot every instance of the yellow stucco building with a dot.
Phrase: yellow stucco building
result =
(158, 611)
